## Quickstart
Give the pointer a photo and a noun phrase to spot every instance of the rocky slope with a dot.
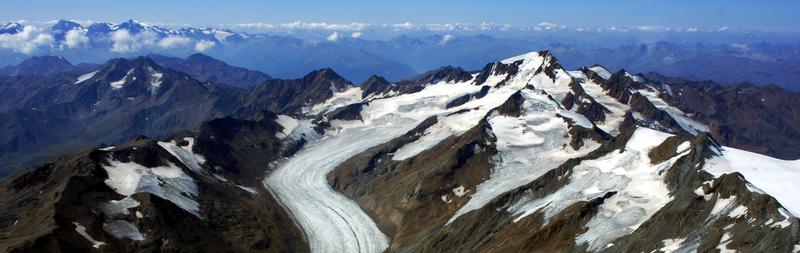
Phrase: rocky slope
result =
(210, 70)
(124, 98)
(191, 192)
(742, 116)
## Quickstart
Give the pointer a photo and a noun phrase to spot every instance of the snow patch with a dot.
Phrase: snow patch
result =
(601, 71)
(85, 77)
(121, 82)
(184, 153)
(170, 183)
(155, 77)
(460, 191)
(672, 245)
(247, 189)
(82, 231)
(686, 122)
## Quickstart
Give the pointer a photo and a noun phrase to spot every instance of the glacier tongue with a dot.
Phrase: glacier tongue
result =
(334, 223)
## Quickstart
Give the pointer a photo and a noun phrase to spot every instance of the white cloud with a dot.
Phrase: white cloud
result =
(722, 29)
(333, 37)
(548, 26)
(124, 41)
(204, 45)
(356, 35)
(446, 38)
(76, 38)
(325, 26)
(173, 41)
(26, 41)
(263, 26)
(403, 26)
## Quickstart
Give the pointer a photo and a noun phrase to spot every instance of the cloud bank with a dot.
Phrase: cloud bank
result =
(26, 41)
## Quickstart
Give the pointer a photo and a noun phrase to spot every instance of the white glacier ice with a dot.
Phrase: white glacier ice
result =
(774, 176)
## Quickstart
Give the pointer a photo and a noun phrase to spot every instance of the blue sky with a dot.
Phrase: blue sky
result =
(765, 14)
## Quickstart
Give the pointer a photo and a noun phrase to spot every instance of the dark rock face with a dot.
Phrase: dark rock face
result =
(446, 74)
(123, 99)
(240, 149)
(375, 85)
(40, 65)
(759, 119)
(642, 105)
(348, 112)
(209, 70)
(290, 96)
(497, 68)
(43, 208)
(586, 105)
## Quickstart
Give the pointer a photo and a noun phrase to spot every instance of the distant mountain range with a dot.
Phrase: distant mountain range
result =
(289, 55)
(521, 155)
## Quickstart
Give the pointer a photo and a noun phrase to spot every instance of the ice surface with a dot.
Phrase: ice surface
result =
(776, 177)
(185, 153)
(123, 229)
(332, 222)
(295, 129)
(117, 207)
(85, 77)
(528, 146)
(617, 109)
(288, 123)
(640, 190)
(349, 96)
(169, 183)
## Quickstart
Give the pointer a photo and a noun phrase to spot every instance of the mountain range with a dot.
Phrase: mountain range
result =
(293, 54)
(160, 153)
